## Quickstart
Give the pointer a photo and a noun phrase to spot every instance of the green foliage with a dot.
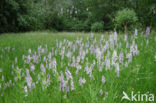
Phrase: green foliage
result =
(28, 23)
(97, 27)
(74, 15)
(76, 25)
(125, 18)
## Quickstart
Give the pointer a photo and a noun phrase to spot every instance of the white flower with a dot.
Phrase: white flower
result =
(26, 90)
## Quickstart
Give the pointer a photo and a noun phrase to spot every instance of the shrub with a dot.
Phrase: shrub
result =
(97, 27)
(29, 23)
(125, 18)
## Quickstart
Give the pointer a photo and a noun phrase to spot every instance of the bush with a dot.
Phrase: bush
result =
(29, 23)
(125, 18)
(97, 27)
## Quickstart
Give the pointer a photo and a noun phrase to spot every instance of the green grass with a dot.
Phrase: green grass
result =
(139, 76)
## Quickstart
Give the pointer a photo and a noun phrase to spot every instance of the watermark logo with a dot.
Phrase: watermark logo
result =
(138, 96)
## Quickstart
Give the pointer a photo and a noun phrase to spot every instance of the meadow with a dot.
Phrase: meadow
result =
(63, 67)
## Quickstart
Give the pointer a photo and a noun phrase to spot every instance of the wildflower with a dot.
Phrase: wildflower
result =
(50, 65)
(147, 31)
(111, 41)
(15, 78)
(42, 68)
(114, 57)
(32, 67)
(69, 54)
(78, 59)
(134, 49)
(61, 77)
(155, 57)
(107, 64)
(78, 68)
(26, 91)
(67, 88)
(54, 65)
(103, 79)
(101, 91)
(121, 57)
(28, 59)
(28, 79)
(129, 56)
(98, 54)
(48, 76)
(82, 81)
(44, 58)
(72, 84)
(88, 70)
(68, 74)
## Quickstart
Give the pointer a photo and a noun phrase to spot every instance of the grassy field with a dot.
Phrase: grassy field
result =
(45, 67)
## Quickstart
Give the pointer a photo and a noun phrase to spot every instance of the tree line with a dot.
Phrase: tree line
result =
(73, 15)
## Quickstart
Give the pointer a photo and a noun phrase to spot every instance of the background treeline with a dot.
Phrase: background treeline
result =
(73, 15)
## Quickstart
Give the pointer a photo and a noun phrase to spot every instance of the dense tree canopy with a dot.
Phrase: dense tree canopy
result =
(70, 15)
